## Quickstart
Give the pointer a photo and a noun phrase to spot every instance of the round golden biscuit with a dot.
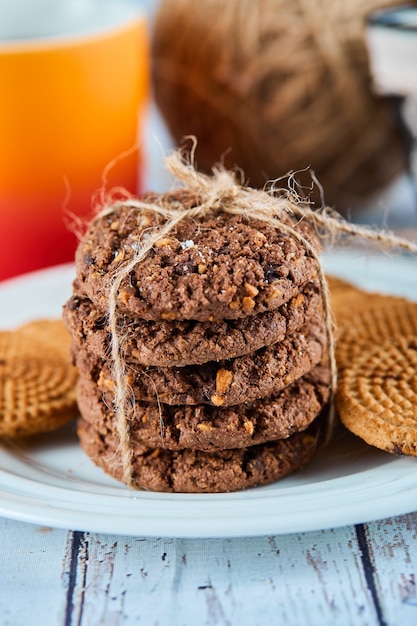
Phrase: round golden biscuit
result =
(37, 380)
(382, 318)
(377, 395)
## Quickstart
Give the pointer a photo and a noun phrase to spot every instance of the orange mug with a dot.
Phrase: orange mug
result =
(73, 84)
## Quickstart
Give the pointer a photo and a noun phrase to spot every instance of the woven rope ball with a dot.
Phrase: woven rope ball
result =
(274, 86)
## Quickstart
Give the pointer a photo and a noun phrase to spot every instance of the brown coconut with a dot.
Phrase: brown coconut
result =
(274, 86)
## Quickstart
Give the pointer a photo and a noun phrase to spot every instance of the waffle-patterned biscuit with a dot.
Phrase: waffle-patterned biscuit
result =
(385, 319)
(209, 428)
(364, 319)
(350, 302)
(377, 395)
(37, 380)
(194, 471)
(223, 383)
(225, 267)
(187, 342)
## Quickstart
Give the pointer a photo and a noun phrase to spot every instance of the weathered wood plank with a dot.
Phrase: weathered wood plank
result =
(299, 580)
(348, 576)
(393, 555)
(32, 589)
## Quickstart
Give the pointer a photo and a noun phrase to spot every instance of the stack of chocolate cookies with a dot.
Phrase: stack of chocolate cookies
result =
(222, 336)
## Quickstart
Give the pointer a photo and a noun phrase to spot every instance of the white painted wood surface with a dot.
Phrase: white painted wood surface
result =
(361, 575)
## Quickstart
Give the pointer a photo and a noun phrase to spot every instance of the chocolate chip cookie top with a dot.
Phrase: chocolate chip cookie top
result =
(222, 267)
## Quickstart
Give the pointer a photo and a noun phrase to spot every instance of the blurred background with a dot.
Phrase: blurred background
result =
(275, 86)
(325, 89)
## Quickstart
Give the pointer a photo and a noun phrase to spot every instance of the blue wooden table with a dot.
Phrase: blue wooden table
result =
(354, 575)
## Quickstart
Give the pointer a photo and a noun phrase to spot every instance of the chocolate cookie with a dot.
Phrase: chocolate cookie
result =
(187, 342)
(224, 267)
(194, 471)
(209, 428)
(221, 383)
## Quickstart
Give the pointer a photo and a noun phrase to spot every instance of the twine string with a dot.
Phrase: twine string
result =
(221, 192)
(285, 83)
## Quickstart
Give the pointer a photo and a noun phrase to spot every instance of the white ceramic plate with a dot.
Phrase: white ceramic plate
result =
(51, 482)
